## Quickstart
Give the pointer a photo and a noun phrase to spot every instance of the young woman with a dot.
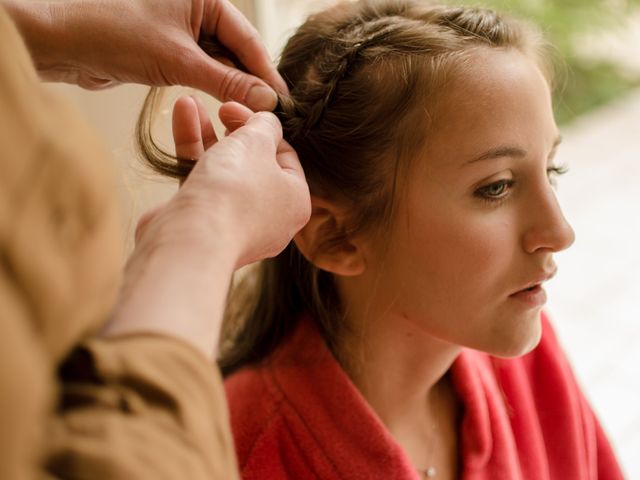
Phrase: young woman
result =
(401, 335)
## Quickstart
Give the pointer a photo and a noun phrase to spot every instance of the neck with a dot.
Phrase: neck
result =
(402, 373)
(398, 368)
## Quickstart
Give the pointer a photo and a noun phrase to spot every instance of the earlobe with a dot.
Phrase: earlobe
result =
(325, 243)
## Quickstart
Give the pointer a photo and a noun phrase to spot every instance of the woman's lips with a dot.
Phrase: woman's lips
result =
(534, 296)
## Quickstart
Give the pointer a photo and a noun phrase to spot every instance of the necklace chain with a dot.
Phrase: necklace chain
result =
(430, 472)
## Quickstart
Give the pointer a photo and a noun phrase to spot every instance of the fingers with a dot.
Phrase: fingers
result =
(263, 130)
(234, 115)
(193, 131)
(228, 83)
(187, 131)
(235, 32)
(209, 136)
(223, 21)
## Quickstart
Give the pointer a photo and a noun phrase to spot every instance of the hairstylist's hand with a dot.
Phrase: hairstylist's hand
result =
(99, 43)
(243, 201)
(247, 188)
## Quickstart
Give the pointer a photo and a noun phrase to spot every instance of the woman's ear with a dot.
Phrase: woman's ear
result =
(325, 243)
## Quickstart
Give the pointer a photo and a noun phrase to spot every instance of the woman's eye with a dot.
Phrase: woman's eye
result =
(555, 171)
(495, 191)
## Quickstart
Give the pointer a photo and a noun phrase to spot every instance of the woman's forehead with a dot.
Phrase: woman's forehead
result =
(499, 99)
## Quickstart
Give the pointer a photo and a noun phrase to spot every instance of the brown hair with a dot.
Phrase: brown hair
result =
(364, 77)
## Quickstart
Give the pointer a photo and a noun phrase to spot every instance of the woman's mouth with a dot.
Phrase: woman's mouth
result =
(534, 296)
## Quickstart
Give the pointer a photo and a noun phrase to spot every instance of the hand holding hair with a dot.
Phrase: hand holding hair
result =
(243, 201)
(100, 43)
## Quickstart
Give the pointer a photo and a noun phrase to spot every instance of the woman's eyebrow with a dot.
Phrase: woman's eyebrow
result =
(498, 152)
(508, 151)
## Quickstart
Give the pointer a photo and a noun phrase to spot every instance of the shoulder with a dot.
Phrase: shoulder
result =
(265, 422)
(258, 423)
(272, 436)
(271, 439)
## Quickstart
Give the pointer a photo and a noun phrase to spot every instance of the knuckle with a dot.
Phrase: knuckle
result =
(233, 85)
(259, 137)
(271, 120)
(265, 128)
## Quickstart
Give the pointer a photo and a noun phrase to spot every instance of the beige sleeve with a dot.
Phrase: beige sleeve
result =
(25, 384)
(140, 407)
(143, 407)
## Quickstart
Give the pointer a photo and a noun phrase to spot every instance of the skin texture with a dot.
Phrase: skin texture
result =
(101, 43)
(442, 276)
(177, 278)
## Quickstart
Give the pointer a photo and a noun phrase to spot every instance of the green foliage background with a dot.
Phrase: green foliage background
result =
(588, 83)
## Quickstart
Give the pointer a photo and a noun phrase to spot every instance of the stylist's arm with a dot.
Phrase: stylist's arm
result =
(100, 43)
(157, 409)
(244, 200)
(144, 399)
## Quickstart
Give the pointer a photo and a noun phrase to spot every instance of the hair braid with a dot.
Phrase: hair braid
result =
(343, 64)
(330, 67)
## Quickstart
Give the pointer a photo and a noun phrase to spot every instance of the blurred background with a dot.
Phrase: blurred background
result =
(595, 298)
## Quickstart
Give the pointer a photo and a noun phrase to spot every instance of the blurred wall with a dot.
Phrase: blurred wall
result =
(277, 19)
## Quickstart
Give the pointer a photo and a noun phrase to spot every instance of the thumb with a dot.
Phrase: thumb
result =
(262, 129)
(233, 116)
(226, 83)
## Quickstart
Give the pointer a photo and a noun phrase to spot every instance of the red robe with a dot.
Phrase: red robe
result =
(298, 416)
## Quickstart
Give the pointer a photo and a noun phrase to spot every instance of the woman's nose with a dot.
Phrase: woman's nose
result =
(547, 229)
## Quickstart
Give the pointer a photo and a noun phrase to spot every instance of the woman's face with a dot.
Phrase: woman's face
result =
(478, 221)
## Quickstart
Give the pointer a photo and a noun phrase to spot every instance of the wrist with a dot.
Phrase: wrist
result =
(39, 25)
(171, 293)
(176, 292)
(203, 227)
(61, 37)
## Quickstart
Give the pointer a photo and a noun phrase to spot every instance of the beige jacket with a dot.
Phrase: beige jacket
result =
(71, 406)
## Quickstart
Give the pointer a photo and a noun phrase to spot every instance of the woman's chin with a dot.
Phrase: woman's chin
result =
(518, 341)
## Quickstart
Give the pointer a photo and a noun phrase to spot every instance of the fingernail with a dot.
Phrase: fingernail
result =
(262, 99)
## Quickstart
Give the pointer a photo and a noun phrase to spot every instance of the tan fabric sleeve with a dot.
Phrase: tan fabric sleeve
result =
(141, 407)
(132, 408)
(25, 386)
(60, 221)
